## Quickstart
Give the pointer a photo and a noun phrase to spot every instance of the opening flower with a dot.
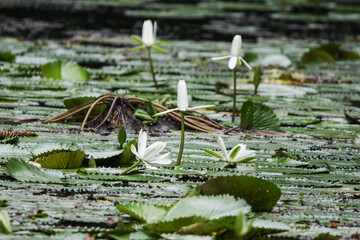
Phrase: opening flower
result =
(150, 154)
(235, 57)
(239, 153)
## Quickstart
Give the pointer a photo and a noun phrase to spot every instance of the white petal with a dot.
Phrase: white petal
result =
(222, 146)
(232, 62)
(147, 165)
(245, 63)
(204, 106)
(165, 112)
(147, 33)
(220, 58)
(161, 159)
(236, 46)
(155, 28)
(153, 150)
(244, 155)
(142, 139)
(182, 96)
(134, 151)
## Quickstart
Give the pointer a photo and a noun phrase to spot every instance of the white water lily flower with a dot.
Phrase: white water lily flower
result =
(150, 154)
(149, 33)
(235, 57)
(239, 153)
(182, 100)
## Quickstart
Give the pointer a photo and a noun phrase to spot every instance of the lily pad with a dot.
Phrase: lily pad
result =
(65, 70)
(24, 171)
(260, 194)
(257, 116)
(60, 159)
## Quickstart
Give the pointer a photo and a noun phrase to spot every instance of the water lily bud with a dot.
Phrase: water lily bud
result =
(148, 33)
(182, 97)
(236, 45)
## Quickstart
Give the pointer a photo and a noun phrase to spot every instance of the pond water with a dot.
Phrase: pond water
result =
(313, 159)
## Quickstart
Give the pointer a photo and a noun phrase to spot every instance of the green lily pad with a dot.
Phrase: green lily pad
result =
(60, 159)
(65, 70)
(24, 171)
(257, 116)
(260, 194)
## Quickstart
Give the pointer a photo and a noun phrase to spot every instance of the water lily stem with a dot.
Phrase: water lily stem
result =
(234, 98)
(182, 138)
(151, 67)
(130, 168)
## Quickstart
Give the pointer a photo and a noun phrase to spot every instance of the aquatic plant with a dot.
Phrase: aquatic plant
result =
(183, 106)
(235, 60)
(149, 154)
(239, 153)
(148, 41)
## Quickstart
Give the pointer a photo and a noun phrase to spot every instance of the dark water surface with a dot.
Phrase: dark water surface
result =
(210, 20)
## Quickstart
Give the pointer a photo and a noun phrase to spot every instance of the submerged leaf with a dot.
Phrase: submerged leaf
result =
(260, 194)
(257, 116)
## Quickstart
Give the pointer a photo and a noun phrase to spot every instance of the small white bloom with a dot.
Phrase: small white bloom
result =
(235, 56)
(182, 100)
(149, 33)
(237, 154)
(182, 96)
(149, 154)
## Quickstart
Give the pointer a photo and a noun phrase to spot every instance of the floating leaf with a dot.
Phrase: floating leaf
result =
(262, 227)
(60, 159)
(175, 224)
(208, 227)
(143, 211)
(276, 59)
(257, 116)
(65, 71)
(52, 70)
(24, 171)
(329, 53)
(260, 194)
(209, 207)
(316, 55)
(72, 71)
(5, 225)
